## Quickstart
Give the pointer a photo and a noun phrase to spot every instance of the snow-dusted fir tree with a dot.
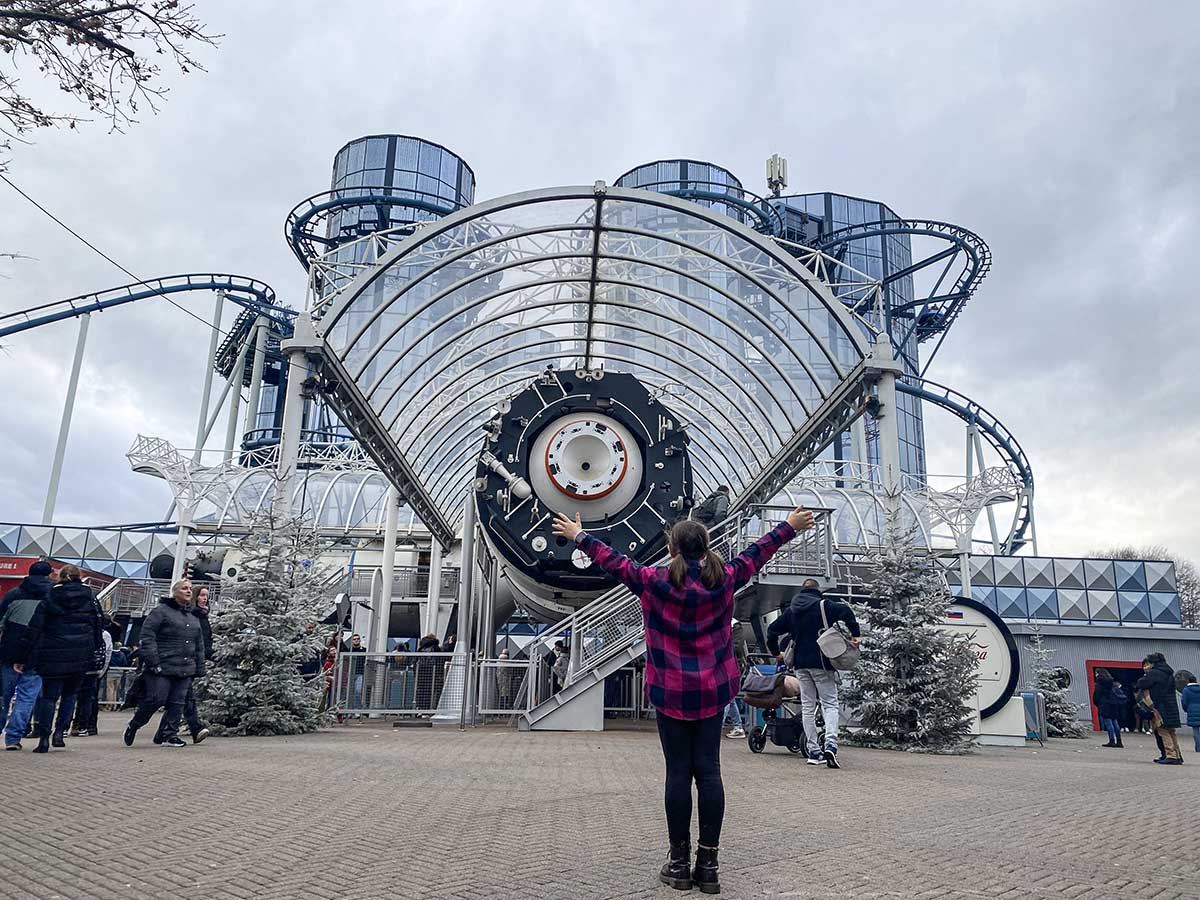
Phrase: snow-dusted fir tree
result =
(912, 686)
(1062, 716)
(254, 684)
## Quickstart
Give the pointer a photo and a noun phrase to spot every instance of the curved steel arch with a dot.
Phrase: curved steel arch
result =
(250, 293)
(1000, 439)
(936, 313)
(620, 240)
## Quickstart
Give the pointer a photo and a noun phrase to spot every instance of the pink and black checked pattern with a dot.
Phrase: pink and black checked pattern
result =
(690, 666)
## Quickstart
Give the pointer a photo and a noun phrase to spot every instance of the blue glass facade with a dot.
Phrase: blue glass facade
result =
(425, 181)
(707, 184)
(806, 217)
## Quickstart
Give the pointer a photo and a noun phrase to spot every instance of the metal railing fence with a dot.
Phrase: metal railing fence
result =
(415, 684)
(503, 685)
(115, 685)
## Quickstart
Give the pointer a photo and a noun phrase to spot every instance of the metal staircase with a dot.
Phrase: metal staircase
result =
(608, 633)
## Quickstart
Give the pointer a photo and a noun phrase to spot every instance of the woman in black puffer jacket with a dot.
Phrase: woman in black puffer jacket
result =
(1159, 683)
(70, 639)
(172, 646)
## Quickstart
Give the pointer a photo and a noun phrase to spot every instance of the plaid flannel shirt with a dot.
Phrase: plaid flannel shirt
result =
(690, 664)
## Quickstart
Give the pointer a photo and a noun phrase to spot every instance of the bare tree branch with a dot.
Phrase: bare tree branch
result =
(101, 54)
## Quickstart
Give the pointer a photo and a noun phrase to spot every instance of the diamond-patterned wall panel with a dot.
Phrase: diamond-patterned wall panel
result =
(1072, 604)
(1130, 575)
(35, 540)
(1008, 572)
(136, 546)
(981, 570)
(953, 576)
(1042, 603)
(1134, 607)
(1160, 576)
(1164, 608)
(1068, 573)
(985, 595)
(1099, 573)
(103, 566)
(1011, 603)
(10, 539)
(131, 569)
(102, 544)
(1103, 606)
(68, 543)
(1039, 572)
(162, 543)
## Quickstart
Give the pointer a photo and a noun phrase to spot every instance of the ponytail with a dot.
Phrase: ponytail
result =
(689, 541)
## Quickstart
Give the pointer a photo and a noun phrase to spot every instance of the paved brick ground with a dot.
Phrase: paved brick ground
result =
(365, 812)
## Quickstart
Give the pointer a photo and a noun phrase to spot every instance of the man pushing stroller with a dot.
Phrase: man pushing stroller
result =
(808, 615)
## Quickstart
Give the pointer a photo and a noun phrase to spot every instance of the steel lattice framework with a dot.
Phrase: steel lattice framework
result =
(755, 348)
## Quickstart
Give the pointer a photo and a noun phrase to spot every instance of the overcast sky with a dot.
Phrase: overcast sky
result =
(1064, 134)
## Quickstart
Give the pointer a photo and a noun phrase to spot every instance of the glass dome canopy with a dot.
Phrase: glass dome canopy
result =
(745, 340)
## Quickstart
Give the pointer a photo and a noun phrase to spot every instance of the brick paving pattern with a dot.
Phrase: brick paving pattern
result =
(365, 811)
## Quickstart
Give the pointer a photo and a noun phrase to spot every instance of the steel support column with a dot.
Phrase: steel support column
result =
(295, 351)
(433, 601)
(235, 381)
(213, 343)
(387, 569)
(887, 424)
(181, 539)
(64, 426)
(256, 373)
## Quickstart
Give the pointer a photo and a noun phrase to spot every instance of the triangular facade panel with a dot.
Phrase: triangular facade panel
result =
(1160, 576)
(1134, 607)
(1072, 604)
(1164, 608)
(1068, 573)
(1103, 606)
(36, 540)
(1039, 572)
(1099, 573)
(1131, 576)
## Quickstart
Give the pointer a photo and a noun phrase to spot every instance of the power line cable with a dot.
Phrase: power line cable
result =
(75, 234)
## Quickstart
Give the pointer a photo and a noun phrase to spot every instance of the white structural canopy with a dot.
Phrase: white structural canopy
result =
(744, 341)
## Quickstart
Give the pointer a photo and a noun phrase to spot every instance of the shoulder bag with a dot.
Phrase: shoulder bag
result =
(834, 645)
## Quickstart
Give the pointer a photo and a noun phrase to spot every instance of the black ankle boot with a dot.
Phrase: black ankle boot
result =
(57, 740)
(705, 874)
(43, 745)
(676, 872)
(1118, 743)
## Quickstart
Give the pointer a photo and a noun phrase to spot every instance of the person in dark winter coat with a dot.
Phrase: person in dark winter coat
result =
(172, 645)
(1189, 698)
(1159, 684)
(1108, 706)
(70, 639)
(804, 620)
(191, 714)
(22, 618)
(713, 508)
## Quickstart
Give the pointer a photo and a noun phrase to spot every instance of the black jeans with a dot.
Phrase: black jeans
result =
(87, 709)
(190, 715)
(54, 687)
(692, 750)
(163, 690)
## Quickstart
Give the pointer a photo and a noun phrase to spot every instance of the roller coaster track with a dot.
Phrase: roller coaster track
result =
(998, 437)
(934, 314)
(250, 293)
(305, 224)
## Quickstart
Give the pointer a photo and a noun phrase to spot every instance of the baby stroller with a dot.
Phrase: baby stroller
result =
(778, 719)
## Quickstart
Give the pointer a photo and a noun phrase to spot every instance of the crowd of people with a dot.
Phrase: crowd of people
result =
(1155, 706)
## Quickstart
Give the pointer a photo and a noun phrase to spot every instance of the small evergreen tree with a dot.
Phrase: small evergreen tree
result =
(912, 687)
(254, 685)
(1062, 715)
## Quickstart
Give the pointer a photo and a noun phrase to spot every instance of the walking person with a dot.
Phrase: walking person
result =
(733, 712)
(173, 654)
(1189, 698)
(810, 614)
(87, 709)
(691, 671)
(1159, 684)
(70, 638)
(1109, 698)
(22, 617)
(191, 715)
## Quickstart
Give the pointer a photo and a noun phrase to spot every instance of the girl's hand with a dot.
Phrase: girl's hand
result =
(564, 527)
(800, 519)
